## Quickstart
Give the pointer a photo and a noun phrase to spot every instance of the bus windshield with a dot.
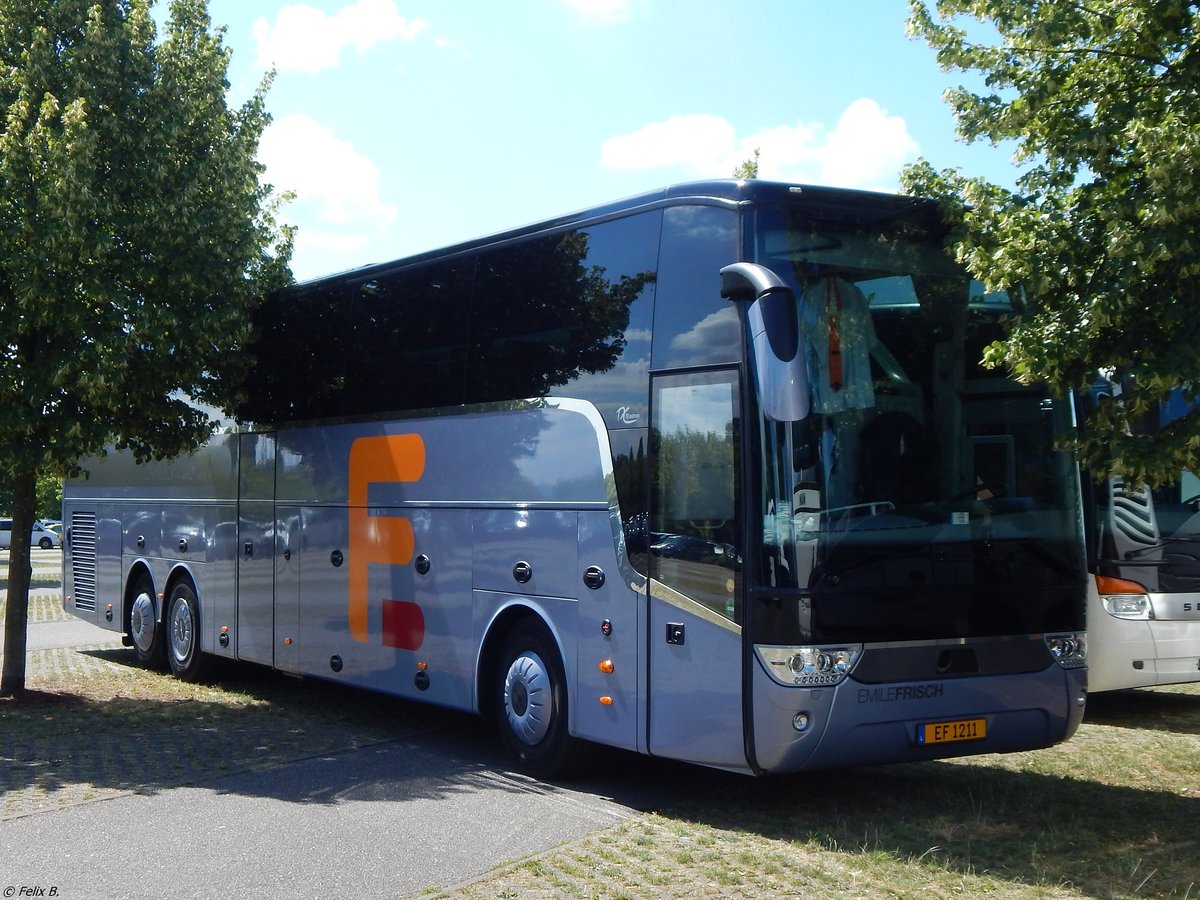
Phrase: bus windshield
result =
(1152, 535)
(922, 498)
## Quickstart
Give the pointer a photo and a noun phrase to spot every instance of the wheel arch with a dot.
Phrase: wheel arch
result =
(135, 573)
(497, 630)
(180, 573)
(175, 576)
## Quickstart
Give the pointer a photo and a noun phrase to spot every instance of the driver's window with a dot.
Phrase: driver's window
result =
(694, 539)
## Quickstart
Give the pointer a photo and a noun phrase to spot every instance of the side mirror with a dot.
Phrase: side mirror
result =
(780, 372)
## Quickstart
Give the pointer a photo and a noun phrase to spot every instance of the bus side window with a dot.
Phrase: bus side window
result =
(410, 346)
(393, 342)
(693, 325)
(566, 314)
(694, 538)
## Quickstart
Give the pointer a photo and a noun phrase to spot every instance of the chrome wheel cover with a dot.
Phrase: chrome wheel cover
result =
(181, 631)
(141, 622)
(527, 698)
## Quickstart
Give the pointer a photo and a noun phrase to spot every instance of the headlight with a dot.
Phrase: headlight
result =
(1128, 606)
(809, 665)
(1124, 599)
(1069, 650)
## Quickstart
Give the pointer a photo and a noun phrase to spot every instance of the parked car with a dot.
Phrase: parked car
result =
(52, 525)
(42, 536)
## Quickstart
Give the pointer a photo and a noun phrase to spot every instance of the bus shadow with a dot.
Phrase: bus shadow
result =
(971, 819)
(255, 733)
(243, 721)
(1159, 709)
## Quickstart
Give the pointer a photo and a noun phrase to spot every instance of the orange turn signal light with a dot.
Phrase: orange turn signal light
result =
(606, 701)
(1107, 585)
(606, 666)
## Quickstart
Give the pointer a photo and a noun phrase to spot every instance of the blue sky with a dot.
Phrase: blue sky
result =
(405, 125)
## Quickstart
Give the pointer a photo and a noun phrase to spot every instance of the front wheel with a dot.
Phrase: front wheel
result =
(531, 699)
(183, 633)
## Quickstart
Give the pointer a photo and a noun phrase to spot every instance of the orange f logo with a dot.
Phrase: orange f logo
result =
(382, 539)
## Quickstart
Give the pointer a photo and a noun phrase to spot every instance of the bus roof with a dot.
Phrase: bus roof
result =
(726, 192)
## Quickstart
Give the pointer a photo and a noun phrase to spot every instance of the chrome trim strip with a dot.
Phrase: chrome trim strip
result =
(672, 597)
(1173, 607)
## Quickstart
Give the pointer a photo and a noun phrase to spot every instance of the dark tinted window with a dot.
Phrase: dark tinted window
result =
(555, 315)
(567, 314)
(346, 348)
(302, 341)
(693, 325)
(409, 338)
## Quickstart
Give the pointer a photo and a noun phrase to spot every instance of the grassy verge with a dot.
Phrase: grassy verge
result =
(1115, 812)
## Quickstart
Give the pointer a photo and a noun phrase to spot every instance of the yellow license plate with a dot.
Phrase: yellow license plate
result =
(948, 732)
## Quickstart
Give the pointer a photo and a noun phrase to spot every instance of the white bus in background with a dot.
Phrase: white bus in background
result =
(1144, 604)
(711, 473)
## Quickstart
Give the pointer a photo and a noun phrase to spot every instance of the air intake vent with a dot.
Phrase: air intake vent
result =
(83, 559)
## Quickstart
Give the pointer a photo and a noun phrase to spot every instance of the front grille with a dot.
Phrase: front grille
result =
(83, 559)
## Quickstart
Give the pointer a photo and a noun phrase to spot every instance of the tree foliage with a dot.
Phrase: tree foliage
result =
(748, 168)
(1102, 100)
(135, 239)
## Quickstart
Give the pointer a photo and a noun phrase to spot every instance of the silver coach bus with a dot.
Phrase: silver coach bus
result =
(1144, 604)
(712, 473)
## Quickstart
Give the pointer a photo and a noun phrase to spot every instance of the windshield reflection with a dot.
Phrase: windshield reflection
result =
(920, 472)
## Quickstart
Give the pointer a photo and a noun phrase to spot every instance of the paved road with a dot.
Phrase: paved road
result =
(391, 819)
(70, 632)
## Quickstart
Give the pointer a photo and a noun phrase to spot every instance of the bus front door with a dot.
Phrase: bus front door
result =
(695, 642)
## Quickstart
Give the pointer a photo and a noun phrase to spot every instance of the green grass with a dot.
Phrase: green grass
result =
(1115, 812)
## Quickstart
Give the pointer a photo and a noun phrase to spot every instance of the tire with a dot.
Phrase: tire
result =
(45, 543)
(182, 626)
(143, 626)
(531, 703)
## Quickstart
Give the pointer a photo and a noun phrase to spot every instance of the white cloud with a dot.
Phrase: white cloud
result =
(327, 174)
(306, 39)
(867, 148)
(699, 142)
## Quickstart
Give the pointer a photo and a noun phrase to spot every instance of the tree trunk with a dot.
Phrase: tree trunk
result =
(20, 573)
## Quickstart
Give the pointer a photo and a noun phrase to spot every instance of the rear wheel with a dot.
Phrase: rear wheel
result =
(145, 631)
(183, 633)
(531, 700)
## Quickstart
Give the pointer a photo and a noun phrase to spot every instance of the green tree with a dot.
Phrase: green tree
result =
(135, 239)
(748, 167)
(1102, 100)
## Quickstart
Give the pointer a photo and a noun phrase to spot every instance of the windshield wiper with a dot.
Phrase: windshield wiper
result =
(1165, 542)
